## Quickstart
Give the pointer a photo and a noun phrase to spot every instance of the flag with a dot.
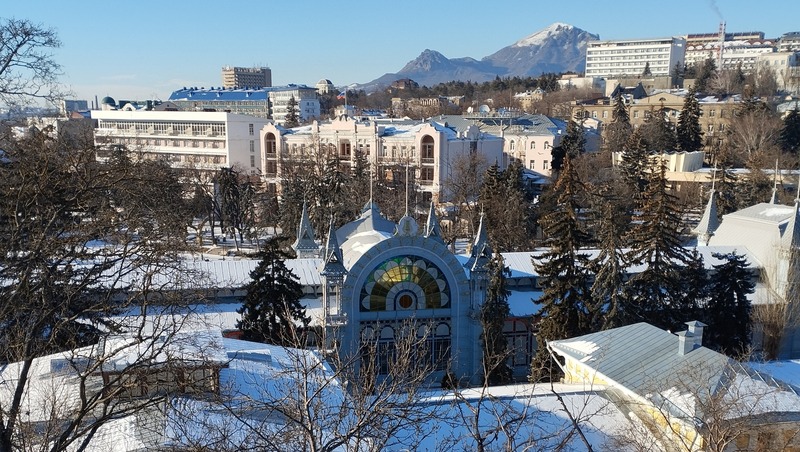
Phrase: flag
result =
(342, 95)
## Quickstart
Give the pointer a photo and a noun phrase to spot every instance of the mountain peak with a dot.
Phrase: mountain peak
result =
(426, 61)
(542, 35)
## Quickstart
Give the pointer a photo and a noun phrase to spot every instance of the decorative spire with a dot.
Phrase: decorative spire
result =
(333, 264)
(481, 252)
(709, 222)
(305, 246)
(791, 235)
(774, 199)
(432, 228)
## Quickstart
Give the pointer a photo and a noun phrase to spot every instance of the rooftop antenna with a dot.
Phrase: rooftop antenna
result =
(371, 178)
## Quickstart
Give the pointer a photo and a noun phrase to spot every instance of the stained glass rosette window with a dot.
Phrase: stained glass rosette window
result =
(405, 283)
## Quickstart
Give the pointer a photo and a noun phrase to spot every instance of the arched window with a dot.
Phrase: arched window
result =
(547, 145)
(511, 145)
(427, 147)
(405, 283)
(533, 145)
(270, 144)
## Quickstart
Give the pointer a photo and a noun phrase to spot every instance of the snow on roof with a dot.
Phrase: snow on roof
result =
(773, 213)
(645, 360)
(530, 411)
(638, 357)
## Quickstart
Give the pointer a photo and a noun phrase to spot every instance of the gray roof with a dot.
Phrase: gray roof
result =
(636, 356)
(644, 360)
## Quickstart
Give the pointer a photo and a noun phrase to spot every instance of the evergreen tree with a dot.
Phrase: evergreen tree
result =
(572, 145)
(728, 306)
(656, 244)
(494, 313)
(272, 312)
(563, 271)
(694, 291)
(357, 185)
(611, 308)
(634, 162)
(237, 201)
(790, 133)
(647, 72)
(292, 118)
(618, 132)
(658, 132)
(507, 210)
(706, 73)
(689, 134)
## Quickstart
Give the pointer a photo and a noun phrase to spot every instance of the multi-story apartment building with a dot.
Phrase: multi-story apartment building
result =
(269, 102)
(715, 118)
(610, 59)
(789, 42)
(203, 140)
(527, 138)
(429, 148)
(246, 77)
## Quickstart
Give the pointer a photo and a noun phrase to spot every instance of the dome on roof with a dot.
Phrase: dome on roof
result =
(108, 100)
(324, 81)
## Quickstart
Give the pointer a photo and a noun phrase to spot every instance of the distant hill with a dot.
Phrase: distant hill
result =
(557, 48)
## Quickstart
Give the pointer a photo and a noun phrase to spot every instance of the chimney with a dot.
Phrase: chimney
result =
(685, 342)
(696, 328)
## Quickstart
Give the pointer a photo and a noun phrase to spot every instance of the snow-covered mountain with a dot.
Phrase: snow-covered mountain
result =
(557, 48)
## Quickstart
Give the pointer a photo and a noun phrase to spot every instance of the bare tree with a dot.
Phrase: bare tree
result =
(462, 188)
(306, 400)
(80, 243)
(28, 71)
(712, 407)
(753, 131)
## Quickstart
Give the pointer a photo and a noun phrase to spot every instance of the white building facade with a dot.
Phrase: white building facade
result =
(203, 140)
(609, 59)
(428, 148)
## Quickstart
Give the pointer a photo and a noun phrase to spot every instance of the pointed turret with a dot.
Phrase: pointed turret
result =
(790, 239)
(709, 222)
(332, 272)
(481, 252)
(333, 263)
(432, 228)
(774, 198)
(305, 246)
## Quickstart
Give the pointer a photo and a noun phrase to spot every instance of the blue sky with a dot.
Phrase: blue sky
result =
(146, 49)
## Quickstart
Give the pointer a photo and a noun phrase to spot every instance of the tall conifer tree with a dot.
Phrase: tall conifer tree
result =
(655, 242)
(610, 305)
(690, 137)
(619, 130)
(272, 311)
(728, 306)
(634, 162)
(494, 313)
(658, 132)
(572, 145)
(292, 118)
(563, 268)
